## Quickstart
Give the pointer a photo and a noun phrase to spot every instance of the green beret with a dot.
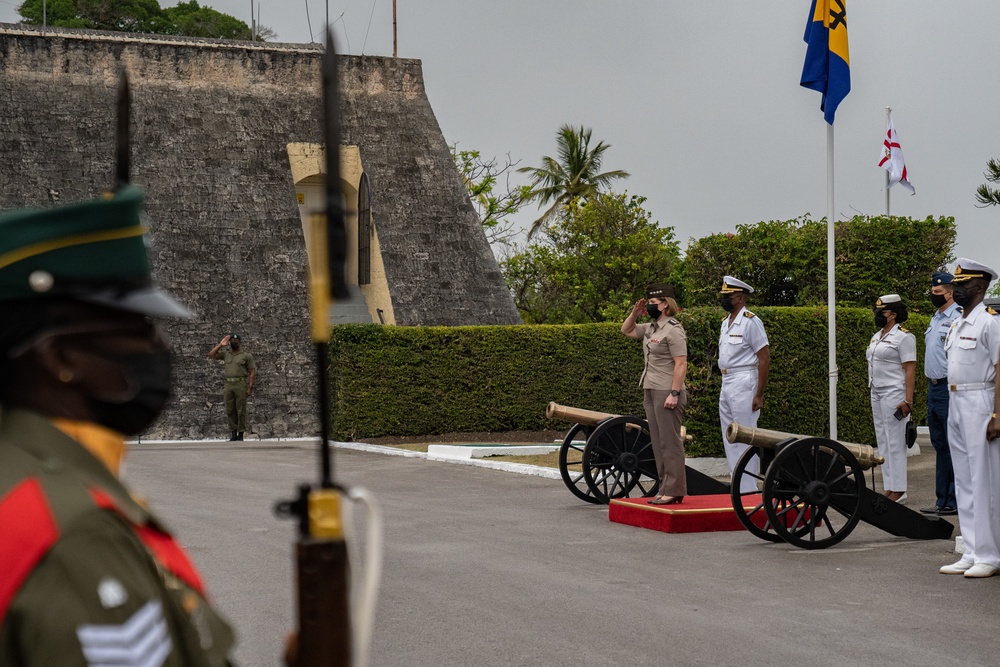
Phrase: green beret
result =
(93, 251)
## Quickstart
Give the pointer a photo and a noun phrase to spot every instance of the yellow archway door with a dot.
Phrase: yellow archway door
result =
(364, 269)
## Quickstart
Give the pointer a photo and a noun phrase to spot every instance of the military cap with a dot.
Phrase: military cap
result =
(659, 291)
(967, 269)
(941, 278)
(92, 251)
(888, 301)
(731, 285)
(235, 336)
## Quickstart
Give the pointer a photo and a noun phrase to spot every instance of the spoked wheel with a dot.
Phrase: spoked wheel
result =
(812, 493)
(571, 463)
(618, 460)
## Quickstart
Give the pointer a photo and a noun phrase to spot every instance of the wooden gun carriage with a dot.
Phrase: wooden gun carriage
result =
(808, 492)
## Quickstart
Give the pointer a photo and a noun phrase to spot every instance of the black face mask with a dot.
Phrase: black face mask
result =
(727, 302)
(938, 300)
(881, 320)
(135, 410)
(234, 345)
(962, 295)
(653, 310)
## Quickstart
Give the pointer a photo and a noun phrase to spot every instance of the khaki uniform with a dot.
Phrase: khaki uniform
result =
(237, 367)
(89, 576)
(661, 342)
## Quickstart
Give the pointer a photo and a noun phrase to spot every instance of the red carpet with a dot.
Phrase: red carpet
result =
(697, 514)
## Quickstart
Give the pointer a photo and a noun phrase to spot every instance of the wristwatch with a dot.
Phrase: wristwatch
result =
(674, 392)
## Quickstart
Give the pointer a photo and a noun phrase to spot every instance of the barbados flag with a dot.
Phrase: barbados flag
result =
(828, 65)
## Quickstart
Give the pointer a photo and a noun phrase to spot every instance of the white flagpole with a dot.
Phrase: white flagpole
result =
(831, 297)
(888, 119)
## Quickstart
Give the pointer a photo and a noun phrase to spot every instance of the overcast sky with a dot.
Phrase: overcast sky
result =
(700, 99)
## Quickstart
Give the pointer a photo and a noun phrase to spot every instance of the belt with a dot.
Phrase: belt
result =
(971, 386)
(738, 369)
(937, 381)
(239, 379)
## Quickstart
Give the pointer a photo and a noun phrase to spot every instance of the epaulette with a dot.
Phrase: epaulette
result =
(748, 313)
(673, 320)
(991, 311)
(904, 330)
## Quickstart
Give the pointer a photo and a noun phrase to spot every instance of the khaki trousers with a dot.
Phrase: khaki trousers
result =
(665, 438)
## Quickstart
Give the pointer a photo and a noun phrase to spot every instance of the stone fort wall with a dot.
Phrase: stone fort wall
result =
(211, 123)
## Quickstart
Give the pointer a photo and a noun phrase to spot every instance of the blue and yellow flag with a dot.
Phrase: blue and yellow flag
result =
(828, 65)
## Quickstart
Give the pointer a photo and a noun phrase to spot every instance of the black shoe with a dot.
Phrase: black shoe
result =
(239, 436)
(233, 436)
(947, 511)
(929, 510)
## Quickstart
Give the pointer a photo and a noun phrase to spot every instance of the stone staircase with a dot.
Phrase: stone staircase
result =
(351, 311)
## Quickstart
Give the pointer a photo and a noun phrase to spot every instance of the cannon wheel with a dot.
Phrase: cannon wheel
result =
(618, 460)
(751, 517)
(812, 492)
(571, 463)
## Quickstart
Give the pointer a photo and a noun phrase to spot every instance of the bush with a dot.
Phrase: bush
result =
(432, 380)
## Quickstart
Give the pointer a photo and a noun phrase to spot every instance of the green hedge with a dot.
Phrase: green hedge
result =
(431, 380)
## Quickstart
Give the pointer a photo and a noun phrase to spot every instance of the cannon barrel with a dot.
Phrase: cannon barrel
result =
(590, 417)
(765, 439)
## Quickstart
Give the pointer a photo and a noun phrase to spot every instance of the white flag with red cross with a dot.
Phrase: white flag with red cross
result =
(891, 160)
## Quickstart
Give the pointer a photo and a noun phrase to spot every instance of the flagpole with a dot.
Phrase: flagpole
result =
(888, 116)
(831, 297)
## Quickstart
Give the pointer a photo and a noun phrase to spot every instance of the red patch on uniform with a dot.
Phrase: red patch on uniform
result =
(29, 531)
(165, 550)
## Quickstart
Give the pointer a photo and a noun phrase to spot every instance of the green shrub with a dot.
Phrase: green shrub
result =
(432, 380)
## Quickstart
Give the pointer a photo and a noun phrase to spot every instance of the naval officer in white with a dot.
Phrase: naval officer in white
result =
(973, 349)
(892, 364)
(744, 360)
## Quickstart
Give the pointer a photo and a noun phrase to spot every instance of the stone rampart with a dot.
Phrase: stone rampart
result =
(211, 123)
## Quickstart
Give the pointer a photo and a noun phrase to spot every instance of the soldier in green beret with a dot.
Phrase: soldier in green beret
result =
(88, 575)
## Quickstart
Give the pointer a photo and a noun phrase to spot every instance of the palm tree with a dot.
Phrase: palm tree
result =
(575, 175)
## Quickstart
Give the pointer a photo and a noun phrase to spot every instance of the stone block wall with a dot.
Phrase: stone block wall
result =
(211, 122)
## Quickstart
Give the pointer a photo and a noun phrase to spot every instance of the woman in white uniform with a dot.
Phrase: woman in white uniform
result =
(892, 362)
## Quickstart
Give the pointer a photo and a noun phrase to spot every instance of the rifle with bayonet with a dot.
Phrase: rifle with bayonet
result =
(323, 571)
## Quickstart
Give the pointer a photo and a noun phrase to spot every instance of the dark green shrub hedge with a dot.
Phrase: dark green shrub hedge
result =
(430, 380)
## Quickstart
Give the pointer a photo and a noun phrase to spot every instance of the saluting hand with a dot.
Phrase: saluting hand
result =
(639, 308)
(224, 341)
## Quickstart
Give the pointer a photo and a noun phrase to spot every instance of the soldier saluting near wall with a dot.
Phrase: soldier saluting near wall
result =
(240, 372)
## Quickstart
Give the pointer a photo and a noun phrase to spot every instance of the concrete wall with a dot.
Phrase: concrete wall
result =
(211, 126)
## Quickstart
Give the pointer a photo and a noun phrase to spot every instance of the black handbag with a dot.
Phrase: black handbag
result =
(911, 433)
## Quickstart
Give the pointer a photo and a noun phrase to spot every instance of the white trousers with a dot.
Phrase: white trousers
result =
(977, 474)
(890, 434)
(736, 405)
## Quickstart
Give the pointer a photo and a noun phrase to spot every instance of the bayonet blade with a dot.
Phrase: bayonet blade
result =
(336, 234)
(122, 152)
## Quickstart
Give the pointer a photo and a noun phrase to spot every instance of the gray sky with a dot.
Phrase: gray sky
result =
(700, 99)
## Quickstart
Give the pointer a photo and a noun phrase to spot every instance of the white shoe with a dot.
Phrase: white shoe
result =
(981, 571)
(958, 567)
(902, 499)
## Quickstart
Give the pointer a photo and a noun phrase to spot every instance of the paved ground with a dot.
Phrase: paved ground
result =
(492, 568)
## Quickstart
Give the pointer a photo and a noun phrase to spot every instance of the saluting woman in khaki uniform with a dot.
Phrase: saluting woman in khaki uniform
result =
(665, 354)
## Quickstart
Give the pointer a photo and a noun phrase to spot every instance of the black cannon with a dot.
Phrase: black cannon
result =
(605, 456)
(811, 492)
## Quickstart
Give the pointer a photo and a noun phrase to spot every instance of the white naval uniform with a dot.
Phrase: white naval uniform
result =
(738, 347)
(887, 384)
(973, 347)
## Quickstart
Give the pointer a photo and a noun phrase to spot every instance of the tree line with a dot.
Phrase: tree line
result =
(139, 16)
(591, 253)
